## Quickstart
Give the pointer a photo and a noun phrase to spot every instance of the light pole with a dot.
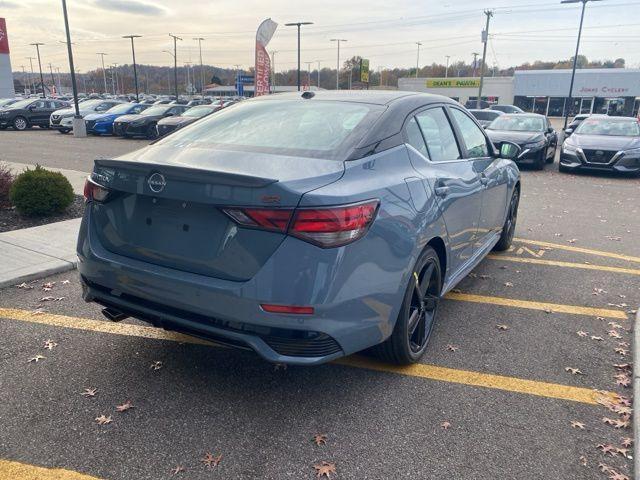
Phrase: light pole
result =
(115, 76)
(188, 66)
(338, 40)
(104, 72)
(135, 70)
(446, 72)
(37, 45)
(418, 59)
(475, 62)
(485, 39)
(298, 24)
(31, 82)
(575, 57)
(175, 63)
(273, 68)
(53, 80)
(79, 129)
(309, 74)
(318, 74)
(199, 40)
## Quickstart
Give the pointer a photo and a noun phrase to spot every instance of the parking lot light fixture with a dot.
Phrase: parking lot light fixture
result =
(338, 40)
(575, 57)
(175, 63)
(298, 24)
(37, 45)
(135, 71)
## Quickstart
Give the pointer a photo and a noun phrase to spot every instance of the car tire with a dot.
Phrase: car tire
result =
(509, 227)
(540, 161)
(151, 132)
(418, 313)
(64, 131)
(553, 157)
(563, 169)
(20, 123)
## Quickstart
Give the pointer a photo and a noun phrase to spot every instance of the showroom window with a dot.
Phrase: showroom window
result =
(587, 103)
(636, 107)
(540, 105)
(556, 107)
(525, 103)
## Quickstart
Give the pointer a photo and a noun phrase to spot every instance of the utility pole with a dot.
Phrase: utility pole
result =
(298, 24)
(575, 57)
(475, 62)
(273, 68)
(309, 74)
(175, 63)
(135, 70)
(115, 71)
(187, 65)
(24, 77)
(37, 45)
(104, 72)
(418, 59)
(31, 81)
(485, 39)
(318, 74)
(53, 80)
(446, 72)
(199, 40)
(338, 40)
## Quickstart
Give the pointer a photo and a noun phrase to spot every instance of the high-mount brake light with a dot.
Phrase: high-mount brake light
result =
(94, 192)
(325, 227)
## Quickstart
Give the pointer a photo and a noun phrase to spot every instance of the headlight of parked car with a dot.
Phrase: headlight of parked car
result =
(569, 148)
(634, 153)
(534, 145)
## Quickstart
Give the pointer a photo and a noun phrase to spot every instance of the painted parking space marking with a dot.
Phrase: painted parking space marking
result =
(531, 305)
(432, 372)
(584, 266)
(571, 248)
(23, 471)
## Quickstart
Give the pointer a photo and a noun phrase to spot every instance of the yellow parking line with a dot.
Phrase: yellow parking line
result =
(584, 266)
(554, 307)
(571, 248)
(23, 471)
(433, 372)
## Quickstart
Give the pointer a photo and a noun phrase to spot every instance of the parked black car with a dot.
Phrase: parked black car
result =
(603, 143)
(532, 132)
(485, 117)
(169, 124)
(27, 113)
(506, 108)
(144, 124)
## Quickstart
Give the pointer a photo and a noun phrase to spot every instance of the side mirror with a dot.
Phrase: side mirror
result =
(568, 131)
(32, 108)
(509, 150)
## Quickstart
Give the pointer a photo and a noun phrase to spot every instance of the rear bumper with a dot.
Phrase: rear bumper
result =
(350, 315)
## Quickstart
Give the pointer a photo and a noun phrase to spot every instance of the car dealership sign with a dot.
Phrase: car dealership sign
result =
(601, 82)
(453, 82)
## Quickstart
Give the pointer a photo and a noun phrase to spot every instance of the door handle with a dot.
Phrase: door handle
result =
(442, 191)
(484, 180)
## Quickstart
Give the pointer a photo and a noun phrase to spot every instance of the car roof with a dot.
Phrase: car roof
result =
(376, 97)
(524, 115)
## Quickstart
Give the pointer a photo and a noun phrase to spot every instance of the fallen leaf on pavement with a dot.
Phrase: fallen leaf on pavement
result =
(319, 439)
(49, 344)
(502, 327)
(598, 339)
(621, 351)
(325, 469)
(445, 425)
(452, 348)
(24, 286)
(66, 282)
(613, 475)
(573, 371)
(627, 442)
(103, 420)
(47, 299)
(508, 284)
(89, 392)
(579, 425)
(177, 470)
(583, 460)
(604, 468)
(125, 406)
(607, 449)
(36, 359)
(582, 334)
(156, 365)
(614, 334)
(210, 460)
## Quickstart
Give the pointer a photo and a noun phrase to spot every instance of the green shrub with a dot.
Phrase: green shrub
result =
(41, 192)
(6, 180)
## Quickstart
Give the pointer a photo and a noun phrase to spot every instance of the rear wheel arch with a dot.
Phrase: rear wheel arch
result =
(440, 248)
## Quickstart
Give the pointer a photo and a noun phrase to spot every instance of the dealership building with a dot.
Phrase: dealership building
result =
(615, 91)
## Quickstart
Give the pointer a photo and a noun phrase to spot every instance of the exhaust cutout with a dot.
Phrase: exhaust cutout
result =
(114, 315)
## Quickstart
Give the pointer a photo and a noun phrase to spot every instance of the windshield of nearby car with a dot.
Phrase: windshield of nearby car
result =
(517, 123)
(197, 112)
(158, 110)
(122, 108)
(7, 101)
(321, 129)
(20, 104)
(609, 127)
(91, 103)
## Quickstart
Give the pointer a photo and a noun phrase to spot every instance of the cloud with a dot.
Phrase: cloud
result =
(7, 4)
(130, 6)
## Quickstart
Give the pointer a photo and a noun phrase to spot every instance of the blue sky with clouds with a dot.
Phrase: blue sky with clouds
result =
(384, 31)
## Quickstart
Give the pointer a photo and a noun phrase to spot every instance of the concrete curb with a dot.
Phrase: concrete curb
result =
(636, 393)
(37, 275)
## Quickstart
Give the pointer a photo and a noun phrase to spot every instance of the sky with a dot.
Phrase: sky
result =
(386, 32)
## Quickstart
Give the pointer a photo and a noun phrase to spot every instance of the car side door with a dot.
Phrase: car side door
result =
(451, 177)
(480, 152)
(39, 112)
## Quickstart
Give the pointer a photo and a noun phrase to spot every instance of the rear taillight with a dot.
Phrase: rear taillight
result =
(93, 191)
(324, 226)
(290, 309)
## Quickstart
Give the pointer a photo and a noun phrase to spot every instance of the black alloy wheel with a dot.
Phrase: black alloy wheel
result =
(151, 132)
(418, 313)
(509, 228)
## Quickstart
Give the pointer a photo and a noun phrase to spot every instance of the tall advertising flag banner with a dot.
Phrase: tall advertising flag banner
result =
(4, 40)
(6, 75)
(263, 62)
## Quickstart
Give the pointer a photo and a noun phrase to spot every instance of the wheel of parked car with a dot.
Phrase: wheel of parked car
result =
(151, 132)
(509, 227)
(20, 123)
(412, 331)
(553, 157)
(563, 169)
(64, 130)
(541, 160)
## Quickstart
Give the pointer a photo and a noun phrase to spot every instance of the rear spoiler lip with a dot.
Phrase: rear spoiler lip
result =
(190, 173)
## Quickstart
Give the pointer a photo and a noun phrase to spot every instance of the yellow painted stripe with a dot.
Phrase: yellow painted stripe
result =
(554, 307)
(433, 372)
(553, 263)
(22, 471)
(477, 379)
(571, 248)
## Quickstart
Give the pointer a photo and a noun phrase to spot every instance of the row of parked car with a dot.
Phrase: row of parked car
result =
(107, 116)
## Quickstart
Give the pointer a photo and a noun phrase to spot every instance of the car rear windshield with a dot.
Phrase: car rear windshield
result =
(305, 128)
(517, 123)
(484, 114)
(612, 128)
(157, 110)
(121, 108)
(198, 112)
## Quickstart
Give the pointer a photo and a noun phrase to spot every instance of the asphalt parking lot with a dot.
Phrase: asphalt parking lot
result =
(524, 377)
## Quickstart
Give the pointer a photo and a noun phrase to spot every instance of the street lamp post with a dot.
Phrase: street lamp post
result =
(199, 40)
(298, 24)
(79, 128)
(175, 63)
(31, 82)
(418, 59)
(37, 45)
(135, 70)
(338, 40)
(104, 72)
(273, 69)
(446, 72)
(575, 57)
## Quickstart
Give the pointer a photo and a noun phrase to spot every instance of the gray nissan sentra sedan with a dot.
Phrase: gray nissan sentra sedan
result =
(304, 226)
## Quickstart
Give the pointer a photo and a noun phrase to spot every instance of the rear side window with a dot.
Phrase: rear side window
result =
(473, 137)
(304, 128)
(439, 135)
(414, 137)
